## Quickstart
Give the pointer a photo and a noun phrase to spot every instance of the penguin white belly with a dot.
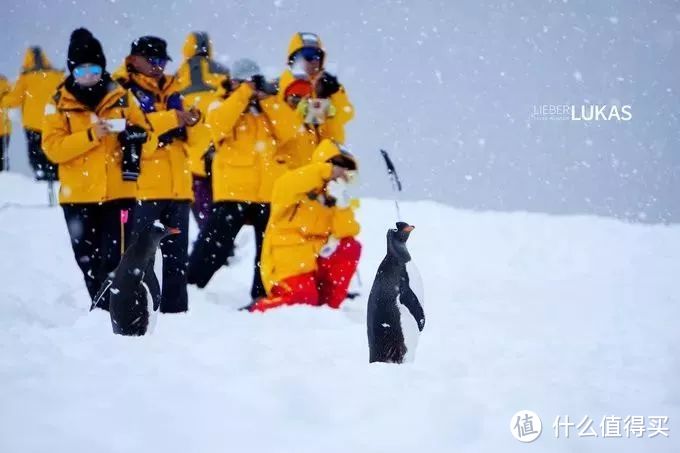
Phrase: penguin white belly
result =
(410, 331)
(153, 315)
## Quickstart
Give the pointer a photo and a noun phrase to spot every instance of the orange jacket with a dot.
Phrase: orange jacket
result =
(165, 172)
(300, 150)
(5, 123)
(200, 80)
(299, 224)
(36, 84)
(248, 159)
(90, 167)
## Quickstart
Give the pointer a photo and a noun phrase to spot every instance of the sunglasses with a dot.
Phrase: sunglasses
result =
(311, 53)
(158, 62)
(86, 70)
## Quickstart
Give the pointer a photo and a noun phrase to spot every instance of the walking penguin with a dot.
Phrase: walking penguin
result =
(133, 292)
(395, 315)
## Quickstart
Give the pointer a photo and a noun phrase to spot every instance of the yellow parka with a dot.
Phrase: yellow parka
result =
(165, 172)
(248, 159)
(90, 168)
(5, 123)
(299, 224)
(200, 80)
(300, 151)
(36, 84)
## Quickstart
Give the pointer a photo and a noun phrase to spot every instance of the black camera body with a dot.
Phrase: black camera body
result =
(131, 141)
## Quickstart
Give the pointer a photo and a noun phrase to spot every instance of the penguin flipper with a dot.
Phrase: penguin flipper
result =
(409, 299)
(103, 291)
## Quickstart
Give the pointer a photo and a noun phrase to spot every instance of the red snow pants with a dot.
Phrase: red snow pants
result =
(325, 286)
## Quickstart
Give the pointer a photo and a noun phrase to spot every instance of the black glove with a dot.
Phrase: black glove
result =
(327, 86)
(131, 141)
(261, 84)
(208, 160)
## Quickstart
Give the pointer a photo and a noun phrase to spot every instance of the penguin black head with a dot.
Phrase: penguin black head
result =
(396, 241)
(159, 231)
(150, 238)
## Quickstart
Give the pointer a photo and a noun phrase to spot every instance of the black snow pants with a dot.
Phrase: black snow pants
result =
(174, 248)
(95, 230)
(4, 152)
(215, 242)
(43, 169)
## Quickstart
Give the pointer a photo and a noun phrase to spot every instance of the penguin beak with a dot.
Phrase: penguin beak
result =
(409, 228)
(173, 230)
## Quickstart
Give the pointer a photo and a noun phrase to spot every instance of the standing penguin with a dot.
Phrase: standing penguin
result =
(133, 291)
(395, 315)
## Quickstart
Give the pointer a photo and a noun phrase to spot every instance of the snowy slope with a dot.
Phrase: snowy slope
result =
(560, 315)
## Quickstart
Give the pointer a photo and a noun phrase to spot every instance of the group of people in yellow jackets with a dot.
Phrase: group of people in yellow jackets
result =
(137, 146)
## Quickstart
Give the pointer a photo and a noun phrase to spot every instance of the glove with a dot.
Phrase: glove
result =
(208, 159)
(337, 189)
(131, 141)
(261, 84)
(327, 86)
(329, 247)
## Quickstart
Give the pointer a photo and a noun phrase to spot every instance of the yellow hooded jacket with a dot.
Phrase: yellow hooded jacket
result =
(200, 80)
(5, 123)
(247, 159)
(36, 84)
(300, 150)
(90, 167)
(300, 224)
(165, 172)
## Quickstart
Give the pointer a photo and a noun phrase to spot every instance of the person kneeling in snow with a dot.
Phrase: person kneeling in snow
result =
(310, 254)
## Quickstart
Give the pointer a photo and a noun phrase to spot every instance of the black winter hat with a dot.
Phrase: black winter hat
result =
(83, 49)
(149, 47)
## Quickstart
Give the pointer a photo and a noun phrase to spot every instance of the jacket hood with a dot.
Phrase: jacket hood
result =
(35, 60)
(304, 39)
(197, 43)
(328, 149)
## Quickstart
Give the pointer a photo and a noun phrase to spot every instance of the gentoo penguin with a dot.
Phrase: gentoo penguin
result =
(133, 291)
(395, 315)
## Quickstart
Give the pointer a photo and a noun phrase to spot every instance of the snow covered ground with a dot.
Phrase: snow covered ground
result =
(560, 315)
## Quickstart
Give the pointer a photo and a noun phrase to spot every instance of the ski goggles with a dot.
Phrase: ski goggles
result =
(87, 70)
(311, 53)
(158, 62)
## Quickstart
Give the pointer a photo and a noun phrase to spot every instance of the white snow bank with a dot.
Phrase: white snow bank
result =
(573, 315)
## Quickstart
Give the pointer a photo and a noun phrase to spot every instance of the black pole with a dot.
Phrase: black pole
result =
(394, 177)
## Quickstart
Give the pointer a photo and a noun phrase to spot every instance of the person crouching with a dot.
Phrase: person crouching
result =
(310, 252)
